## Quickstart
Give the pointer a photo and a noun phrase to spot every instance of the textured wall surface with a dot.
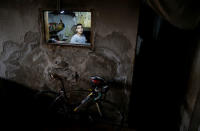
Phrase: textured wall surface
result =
(26, 59)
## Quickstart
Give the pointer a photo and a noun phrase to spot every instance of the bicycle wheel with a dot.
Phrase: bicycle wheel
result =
(45, 98)
(110, 113)
(79, 100)
(76, 96)
(53, 103)
(98, 111)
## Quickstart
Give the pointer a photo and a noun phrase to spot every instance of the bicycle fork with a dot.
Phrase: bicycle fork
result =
(98, 108)
(85, 100)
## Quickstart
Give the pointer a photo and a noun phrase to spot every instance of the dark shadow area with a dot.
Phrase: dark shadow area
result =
(164, 56)
(88, 36)
(22, 106)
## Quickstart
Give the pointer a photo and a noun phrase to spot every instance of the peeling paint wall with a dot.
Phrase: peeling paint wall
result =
(25, 59)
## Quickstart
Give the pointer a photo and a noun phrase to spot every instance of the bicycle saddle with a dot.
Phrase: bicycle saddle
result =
(97, 80)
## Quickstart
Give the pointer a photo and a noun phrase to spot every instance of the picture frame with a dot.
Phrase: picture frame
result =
(63, 27)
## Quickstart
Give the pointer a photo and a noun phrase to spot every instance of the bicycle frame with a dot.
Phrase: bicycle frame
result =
(97, 95)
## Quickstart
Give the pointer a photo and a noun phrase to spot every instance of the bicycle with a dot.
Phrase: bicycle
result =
(62, 106)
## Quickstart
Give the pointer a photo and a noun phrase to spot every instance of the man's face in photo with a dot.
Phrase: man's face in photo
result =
(79, 29)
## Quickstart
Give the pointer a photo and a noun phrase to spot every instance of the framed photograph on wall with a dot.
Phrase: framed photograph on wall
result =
(70, 27)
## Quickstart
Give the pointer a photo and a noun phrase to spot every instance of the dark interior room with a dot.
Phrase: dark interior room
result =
(113, 65)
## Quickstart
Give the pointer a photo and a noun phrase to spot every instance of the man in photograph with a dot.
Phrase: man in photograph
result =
(79, 37)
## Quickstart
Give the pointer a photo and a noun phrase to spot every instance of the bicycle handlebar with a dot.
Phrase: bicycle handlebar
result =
(55, 76)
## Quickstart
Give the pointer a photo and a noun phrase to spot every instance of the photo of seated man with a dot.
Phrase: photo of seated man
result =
(79, 37)
(68, 27)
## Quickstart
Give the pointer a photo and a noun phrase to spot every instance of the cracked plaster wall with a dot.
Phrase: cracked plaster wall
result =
(24, 57)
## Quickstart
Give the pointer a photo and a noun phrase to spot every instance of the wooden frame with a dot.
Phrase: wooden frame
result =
(44, 28)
